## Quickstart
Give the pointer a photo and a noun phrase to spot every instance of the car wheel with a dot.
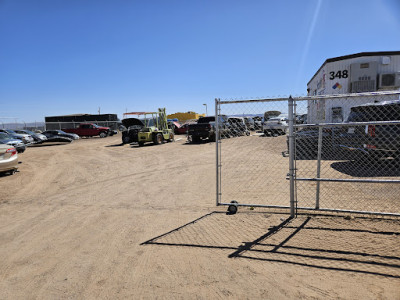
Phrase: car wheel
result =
(103, 134)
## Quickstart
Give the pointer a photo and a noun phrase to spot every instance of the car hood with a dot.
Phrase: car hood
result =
(131, 122)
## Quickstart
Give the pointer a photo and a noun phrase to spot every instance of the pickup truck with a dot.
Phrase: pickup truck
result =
(373, 141)
(87, 129)
(205, 129)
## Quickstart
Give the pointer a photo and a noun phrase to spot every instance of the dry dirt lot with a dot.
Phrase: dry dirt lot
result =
(96, 219)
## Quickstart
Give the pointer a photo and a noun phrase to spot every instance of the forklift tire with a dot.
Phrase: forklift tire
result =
(171, 137)
(141, 144)
(158, 139)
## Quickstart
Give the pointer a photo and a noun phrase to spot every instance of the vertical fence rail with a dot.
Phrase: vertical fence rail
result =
(217, 155)
(291, 108)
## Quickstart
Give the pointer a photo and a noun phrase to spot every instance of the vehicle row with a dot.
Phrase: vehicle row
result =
(376, 138)
(13, 142)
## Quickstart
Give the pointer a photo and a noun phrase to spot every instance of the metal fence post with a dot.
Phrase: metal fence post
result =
(318, 166)
(291, 156)
(217, 151)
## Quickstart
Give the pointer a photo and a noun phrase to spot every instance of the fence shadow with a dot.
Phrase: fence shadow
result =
(365, 246)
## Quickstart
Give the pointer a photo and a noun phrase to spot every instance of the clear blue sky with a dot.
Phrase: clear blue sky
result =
(73, 56)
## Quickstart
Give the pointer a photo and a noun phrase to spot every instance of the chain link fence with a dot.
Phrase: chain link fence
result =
(344, 156)
(33, 126)
(347, 156)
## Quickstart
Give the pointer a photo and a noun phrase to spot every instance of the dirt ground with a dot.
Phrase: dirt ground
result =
(96, 219)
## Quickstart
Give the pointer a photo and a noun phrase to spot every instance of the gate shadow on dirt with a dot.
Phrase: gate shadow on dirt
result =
(360, 245)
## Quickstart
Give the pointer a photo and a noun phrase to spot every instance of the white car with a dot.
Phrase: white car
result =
(276, 126)
(37, 137)
(26, 138)
(8, 159)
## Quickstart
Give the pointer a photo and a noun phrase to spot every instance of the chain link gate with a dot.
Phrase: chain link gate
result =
(251, 168)
(327, 153)
(347, 156)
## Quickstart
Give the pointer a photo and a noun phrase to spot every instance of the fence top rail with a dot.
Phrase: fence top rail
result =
(252, 100)
(320, 97)
(352, 95)
(347, 124)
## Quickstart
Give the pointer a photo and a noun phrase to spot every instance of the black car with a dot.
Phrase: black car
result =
(57, 136)
(58, 133)
(205, 129)
(306, 143)
(374, 141)
(130, 129)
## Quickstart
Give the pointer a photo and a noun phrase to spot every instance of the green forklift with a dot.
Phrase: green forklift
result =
(152, 128)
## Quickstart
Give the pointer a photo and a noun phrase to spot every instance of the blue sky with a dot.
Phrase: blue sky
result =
(74, 56)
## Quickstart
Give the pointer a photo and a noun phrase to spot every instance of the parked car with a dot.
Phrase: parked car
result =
(8, 159)
(306, 142)
(174, 125)
(257, 123)
(90, 129)
(37, 137)
(250, 123)
(276, 126)
(16, 143)
(373, 141)
(237, 126)
(130, 129)
(183, 129)
(59, 133)
(205, 129)
(53, 134)
(26, 138)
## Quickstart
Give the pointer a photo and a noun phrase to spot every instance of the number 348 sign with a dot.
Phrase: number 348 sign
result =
(338, 74)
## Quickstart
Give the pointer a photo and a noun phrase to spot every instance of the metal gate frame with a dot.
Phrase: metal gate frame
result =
(291, 176)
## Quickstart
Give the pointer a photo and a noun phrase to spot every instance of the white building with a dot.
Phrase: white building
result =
(355, 73)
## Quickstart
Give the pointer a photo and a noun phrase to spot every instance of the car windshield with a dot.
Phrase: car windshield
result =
(11, 131)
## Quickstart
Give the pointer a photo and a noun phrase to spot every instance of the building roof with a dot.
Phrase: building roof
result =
(361, 54)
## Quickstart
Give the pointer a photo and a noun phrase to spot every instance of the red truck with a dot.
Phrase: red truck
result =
(88, 129)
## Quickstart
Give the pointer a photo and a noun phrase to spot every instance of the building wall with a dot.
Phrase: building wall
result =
(335, 78)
